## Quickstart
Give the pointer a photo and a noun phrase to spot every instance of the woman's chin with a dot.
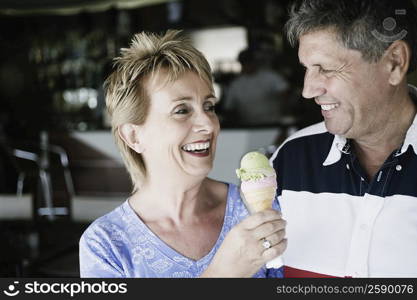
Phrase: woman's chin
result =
(199, 172)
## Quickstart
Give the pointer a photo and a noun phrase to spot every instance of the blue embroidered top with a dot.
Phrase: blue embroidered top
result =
(119, 244)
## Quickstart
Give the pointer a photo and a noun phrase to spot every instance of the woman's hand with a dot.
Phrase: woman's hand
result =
(242, 253)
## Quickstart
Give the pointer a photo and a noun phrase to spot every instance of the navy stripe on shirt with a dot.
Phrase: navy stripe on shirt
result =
(299, 166)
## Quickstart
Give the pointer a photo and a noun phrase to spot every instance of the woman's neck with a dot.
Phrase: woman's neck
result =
(177, 200)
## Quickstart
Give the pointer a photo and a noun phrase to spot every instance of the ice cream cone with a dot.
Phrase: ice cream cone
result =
(259, 199)
(258, 188)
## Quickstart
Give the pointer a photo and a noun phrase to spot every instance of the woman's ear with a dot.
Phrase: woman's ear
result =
(129, 133)
(398, 55)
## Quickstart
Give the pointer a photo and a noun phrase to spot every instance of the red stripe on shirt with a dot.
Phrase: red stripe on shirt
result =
(297, 273)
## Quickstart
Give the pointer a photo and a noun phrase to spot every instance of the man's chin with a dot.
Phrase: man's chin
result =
(334, 128)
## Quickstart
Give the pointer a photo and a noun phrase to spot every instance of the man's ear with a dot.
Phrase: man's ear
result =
(129, 133)
(398, 55)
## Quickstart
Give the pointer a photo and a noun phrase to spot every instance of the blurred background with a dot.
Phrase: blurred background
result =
(59, 167)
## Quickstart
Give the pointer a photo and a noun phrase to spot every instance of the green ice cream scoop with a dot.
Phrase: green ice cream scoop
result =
(254, 165)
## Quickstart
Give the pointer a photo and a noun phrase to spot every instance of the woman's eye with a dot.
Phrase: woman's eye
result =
(181, 111)
(210, 107)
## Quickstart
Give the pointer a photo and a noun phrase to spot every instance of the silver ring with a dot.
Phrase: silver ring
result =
(266, 244)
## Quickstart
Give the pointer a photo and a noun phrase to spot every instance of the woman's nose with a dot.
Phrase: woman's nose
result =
(203, 122)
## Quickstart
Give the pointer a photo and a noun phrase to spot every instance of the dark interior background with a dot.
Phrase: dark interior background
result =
(50, 50)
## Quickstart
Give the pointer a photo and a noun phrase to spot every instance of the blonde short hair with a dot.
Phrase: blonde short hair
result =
(127, 99)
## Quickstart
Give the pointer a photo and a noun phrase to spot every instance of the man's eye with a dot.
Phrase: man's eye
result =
(324, 71)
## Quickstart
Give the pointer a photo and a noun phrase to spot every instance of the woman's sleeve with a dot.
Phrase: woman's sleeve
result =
(275, 204)
(275, 273)
(97, 259)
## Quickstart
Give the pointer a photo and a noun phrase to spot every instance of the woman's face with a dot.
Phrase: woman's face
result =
(180, 132)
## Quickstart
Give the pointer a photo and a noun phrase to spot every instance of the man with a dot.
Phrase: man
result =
(348, 186)
(255, 96)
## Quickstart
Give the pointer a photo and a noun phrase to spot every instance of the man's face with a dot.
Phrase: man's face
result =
(353, 94)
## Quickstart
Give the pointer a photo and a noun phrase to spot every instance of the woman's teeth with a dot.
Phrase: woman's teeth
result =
(196, 147)
(329, 106)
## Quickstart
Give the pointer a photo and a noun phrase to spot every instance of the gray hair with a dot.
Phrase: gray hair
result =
(127, 98)
(369, 26)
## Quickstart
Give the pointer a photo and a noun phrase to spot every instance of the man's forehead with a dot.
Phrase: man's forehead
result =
(323, 45)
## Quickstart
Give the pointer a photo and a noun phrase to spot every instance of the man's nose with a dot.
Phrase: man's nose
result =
(313, 85)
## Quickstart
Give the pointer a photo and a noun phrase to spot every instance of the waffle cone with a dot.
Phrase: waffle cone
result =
(259, 199)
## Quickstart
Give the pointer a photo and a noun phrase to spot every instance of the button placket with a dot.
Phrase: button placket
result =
(358, 256)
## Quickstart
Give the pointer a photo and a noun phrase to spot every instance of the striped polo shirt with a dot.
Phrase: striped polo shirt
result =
(339, 223)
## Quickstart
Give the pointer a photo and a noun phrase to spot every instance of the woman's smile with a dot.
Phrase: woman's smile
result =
(197, 148)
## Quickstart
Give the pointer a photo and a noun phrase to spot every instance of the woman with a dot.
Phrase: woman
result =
(177, 222)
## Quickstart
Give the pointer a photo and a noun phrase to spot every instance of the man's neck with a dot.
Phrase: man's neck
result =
(373, 151)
